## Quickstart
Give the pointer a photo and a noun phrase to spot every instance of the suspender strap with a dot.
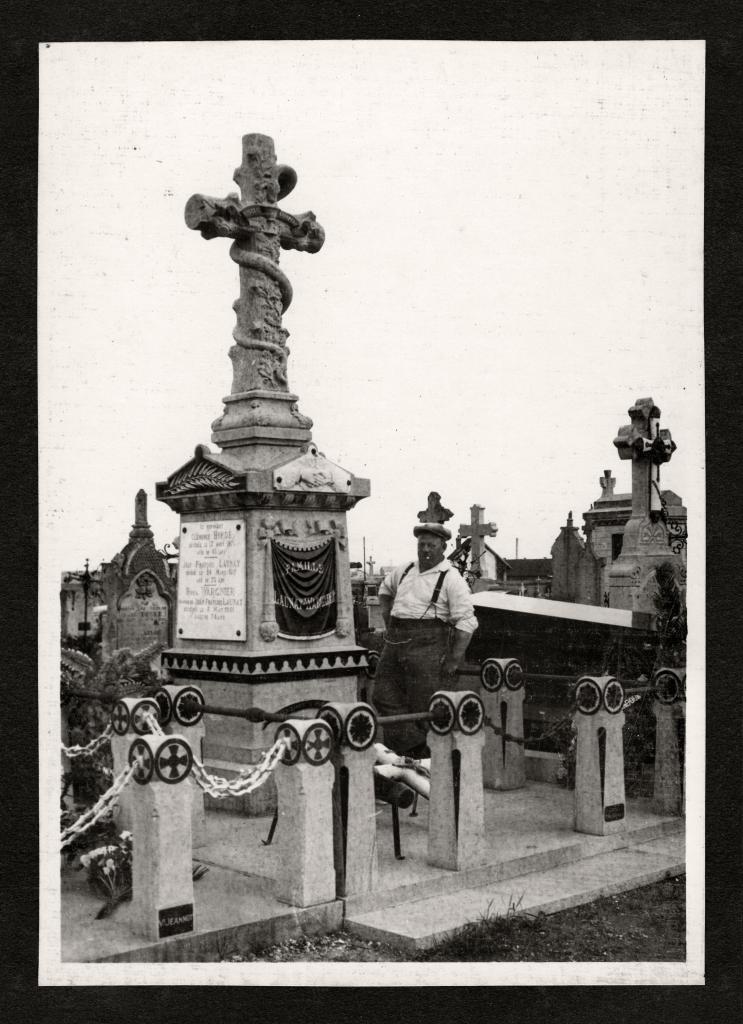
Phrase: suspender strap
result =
(439, 585)
(405, 572)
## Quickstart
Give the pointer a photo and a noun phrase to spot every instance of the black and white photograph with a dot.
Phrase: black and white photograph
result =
(371, 533)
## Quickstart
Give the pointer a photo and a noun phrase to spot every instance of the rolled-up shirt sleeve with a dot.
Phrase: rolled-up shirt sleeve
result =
(461, 608)
(388, 586)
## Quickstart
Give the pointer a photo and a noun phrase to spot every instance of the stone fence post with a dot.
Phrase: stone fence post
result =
(129, 719)
(162, 882)
(599, 756)
(670, 712)
(504, 765)
(354, 729)
(304, 839)
(180, 711)
(456, 815)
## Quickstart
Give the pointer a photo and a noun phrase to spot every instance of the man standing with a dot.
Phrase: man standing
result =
(429, 618)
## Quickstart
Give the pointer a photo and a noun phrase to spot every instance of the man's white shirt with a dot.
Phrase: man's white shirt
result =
(412, 596)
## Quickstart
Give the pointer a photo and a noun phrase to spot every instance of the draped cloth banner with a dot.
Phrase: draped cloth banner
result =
(304, 588)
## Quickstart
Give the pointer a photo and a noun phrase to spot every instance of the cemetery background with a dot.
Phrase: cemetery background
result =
(334, 370)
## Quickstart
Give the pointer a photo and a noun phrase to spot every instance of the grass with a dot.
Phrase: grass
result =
(645, 924)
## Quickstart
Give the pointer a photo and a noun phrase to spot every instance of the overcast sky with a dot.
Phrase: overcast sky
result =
(513, 255)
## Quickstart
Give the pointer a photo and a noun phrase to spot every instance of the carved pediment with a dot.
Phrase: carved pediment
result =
(312, 472)
(202, 473)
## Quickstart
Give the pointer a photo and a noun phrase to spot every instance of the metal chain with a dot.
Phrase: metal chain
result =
(78, 751)
(101, 807)
(248, 780)
(487, 720)
(151, 720)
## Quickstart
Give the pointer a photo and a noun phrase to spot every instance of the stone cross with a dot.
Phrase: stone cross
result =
(478, 529)
(259, 230)
(643, 441)
(370, 563)
(434, 511)
(607, 482)
(141, 527)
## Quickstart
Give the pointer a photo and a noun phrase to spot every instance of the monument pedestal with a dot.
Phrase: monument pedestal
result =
(265, 609)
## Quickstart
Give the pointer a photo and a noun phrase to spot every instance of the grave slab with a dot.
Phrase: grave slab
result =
(530, 844)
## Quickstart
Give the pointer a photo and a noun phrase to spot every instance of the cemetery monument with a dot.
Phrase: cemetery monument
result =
(264, 610)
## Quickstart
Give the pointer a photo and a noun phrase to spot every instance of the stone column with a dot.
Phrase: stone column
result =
(599, 765)
(503, 761)
(162, 885)
(304, 838)
(456, 816)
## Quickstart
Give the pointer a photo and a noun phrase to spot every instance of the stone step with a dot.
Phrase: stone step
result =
(418, 924)
(512, 861)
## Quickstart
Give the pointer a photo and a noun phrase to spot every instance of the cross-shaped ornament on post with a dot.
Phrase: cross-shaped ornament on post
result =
(477, 529)
(643, 441)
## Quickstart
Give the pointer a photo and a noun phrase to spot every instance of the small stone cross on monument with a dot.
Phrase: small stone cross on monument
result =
(643, 441)
(478, 529)
(370, 563)
(607, 482)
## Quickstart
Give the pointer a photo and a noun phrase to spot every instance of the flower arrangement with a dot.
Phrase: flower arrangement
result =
(110, 872)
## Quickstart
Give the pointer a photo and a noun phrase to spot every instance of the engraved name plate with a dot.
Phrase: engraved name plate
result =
(211, 580)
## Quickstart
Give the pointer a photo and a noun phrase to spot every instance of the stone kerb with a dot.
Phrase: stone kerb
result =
(178, 715)
(670, 711)
(129, 719)
(599, 799)
(304, 835)
(503, 760)
(162, 880)
(354, 729)
(456, 829)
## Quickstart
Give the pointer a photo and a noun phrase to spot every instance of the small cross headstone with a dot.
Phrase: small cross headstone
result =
(477, 529)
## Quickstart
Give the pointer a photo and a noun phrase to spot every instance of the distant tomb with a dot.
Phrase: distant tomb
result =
(138, 590)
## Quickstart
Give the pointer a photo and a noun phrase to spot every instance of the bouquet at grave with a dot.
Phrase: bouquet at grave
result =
(110, 872)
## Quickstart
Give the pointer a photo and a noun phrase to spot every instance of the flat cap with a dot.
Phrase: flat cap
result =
(436, 528)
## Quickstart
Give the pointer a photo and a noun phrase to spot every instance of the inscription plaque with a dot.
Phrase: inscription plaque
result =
(211, 581)
(175, 920)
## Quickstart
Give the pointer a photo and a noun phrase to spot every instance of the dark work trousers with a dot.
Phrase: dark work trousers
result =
(408, 674)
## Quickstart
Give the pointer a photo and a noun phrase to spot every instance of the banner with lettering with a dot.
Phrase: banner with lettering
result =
(304, 588)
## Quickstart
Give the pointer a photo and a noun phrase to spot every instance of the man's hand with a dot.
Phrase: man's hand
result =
(449, 664)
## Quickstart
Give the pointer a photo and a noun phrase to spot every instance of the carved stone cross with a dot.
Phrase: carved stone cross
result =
(478, 529)
(370, 563)
(259, 230)
(643, 441)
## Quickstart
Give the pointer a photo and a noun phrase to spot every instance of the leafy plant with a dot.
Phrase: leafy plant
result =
(110, 872)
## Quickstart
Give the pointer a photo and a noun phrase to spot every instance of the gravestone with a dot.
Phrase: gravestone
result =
(265, 609)
(477, 530)
(138, 590)
(648, 538)
(575, 568)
